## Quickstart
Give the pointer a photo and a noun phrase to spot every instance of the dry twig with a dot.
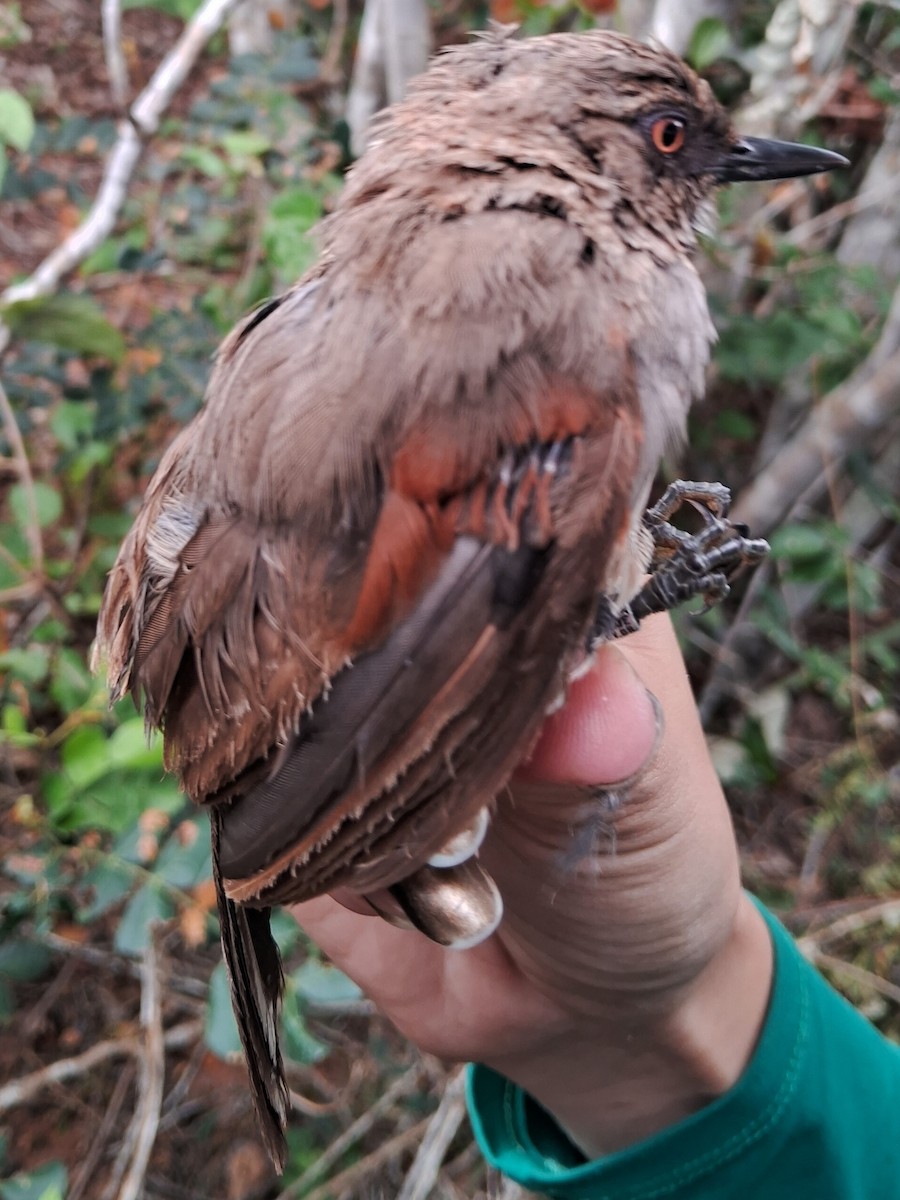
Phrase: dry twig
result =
(143, 122)
(441, 1131)
(867, 979)
(887, 912)
(111, 16)
(853, 412)
(22, 1091)
(353, 1133)
(84, 1176)
(151, 1076)
(348, 1183)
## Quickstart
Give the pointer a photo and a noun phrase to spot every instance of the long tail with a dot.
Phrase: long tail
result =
(257, 982)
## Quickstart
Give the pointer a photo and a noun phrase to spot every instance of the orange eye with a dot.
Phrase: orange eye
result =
(668, 134)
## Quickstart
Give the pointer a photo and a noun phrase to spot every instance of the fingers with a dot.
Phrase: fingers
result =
(607, 730)
(613, 890)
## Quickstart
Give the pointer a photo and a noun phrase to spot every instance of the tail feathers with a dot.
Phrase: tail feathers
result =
(254, 970)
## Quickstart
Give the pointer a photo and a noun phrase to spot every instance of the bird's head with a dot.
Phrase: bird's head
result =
(631, 125)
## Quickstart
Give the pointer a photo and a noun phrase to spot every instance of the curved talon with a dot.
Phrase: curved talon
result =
(684, 565)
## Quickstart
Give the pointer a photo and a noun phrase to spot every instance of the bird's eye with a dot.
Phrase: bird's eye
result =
(668, 134)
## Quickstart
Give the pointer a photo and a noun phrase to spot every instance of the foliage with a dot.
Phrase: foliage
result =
(100, 846)
(103, 833)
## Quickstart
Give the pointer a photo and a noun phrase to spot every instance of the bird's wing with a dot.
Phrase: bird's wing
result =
(323, 671)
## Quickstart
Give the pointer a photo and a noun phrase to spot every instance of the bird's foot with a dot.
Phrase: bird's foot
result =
(684, 565)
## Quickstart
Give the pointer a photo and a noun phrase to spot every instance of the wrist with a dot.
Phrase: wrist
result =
(611, 1087)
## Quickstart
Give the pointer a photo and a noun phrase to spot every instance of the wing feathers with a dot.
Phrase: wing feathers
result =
(254, 972)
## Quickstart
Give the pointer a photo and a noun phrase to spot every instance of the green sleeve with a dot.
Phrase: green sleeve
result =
(816, 1113)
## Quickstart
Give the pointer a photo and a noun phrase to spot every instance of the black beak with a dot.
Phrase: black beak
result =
(762, 158)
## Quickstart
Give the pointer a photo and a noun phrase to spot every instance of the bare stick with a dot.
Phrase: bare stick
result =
(89, 1163)
(367, 86)
(853, 412)
(867, 979)
(23, 469)
(352, 1134)
(441, 1131)
(330, 64)
(111, 16)
(23, 1090)
(144, 121)
(151, 1073)
(887, 913)
(347, 1183)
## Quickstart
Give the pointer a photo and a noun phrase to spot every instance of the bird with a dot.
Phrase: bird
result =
(414, 498)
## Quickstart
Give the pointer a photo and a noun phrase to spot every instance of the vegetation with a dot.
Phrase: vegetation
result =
(107, 919)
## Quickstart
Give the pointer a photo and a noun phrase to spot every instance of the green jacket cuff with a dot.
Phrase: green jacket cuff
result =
(814, 1114)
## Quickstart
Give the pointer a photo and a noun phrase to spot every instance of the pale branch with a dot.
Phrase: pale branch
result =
(872, 235)
(674, 21)
(845, 419)
(85, 1174)
(329, 67)
(151, 1073)
(886, 912)
(367, 91)
(174, 69)
(860, 516)
(859, 975)
(251, 26)
(798, 63)
(116, 68)
(394, 44)
(348, 1184)
(353, 1133)
(407, 44)
(23, 1090)
(145, 116)
(446, 1120)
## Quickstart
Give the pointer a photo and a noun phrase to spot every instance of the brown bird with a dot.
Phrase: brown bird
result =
(414, 497)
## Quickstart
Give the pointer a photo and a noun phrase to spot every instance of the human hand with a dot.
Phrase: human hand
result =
(628, 981)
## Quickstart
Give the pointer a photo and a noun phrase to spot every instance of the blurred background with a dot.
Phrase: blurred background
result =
(127, 249)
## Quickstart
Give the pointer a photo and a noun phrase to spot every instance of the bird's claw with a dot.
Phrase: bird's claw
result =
(684, 565)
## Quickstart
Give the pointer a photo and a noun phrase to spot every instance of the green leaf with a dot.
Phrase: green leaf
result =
(205, 160)
(85, 756)
(183, 9)
(47, 1182)
(318, 983)
(285, 231)
(147, 905)
(29, 665)
(242, 145)
(69, 322)
(72, 422)
(22, 960)
(184, 862)
(16, 120)
(71, 684)
(737, 425)
(109, 882)
(219, 1028)
(128, 746)
(709, 41)
(299, 1043)
(47, 501)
